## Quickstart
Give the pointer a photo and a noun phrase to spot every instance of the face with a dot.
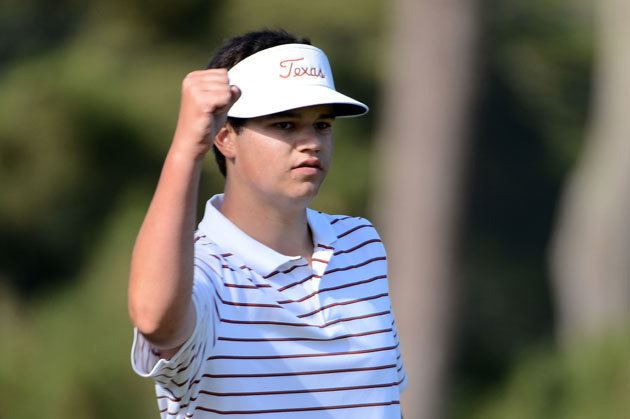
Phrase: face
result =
(282, 158)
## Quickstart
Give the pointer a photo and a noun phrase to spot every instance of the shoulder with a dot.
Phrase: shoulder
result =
(209, 259)
(353, 231)
(357, 241)
(347, 226)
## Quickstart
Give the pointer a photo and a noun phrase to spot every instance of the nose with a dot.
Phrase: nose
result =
(309, 139)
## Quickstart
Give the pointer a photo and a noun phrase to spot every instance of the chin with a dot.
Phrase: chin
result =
(305, 193)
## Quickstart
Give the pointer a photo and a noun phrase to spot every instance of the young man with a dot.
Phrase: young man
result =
(273, 310)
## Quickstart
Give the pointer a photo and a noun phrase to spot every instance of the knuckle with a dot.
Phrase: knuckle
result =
(187, 82)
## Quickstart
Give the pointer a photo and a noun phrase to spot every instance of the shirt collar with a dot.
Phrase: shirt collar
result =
(254, 254)
(323, 232)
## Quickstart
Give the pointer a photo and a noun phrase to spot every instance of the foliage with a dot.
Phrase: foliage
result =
(587, 381)
(68, 353)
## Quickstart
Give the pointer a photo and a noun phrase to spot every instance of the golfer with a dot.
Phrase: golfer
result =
(268, 309)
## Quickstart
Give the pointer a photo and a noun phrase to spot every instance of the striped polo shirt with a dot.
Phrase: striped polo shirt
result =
(276, 337)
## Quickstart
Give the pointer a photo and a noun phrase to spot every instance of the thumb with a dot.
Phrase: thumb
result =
(236, 94)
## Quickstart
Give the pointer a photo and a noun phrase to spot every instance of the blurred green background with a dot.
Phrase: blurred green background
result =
(88, 103)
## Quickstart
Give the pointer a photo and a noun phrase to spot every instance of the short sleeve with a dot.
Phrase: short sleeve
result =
(400, 366)
(172, 375)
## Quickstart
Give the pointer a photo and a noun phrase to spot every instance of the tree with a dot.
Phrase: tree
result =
(591, 245)
(422, 144)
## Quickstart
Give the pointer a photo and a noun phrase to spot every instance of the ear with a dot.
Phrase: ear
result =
(225, 141)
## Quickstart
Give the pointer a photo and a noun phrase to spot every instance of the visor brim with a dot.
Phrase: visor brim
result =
(260, 102)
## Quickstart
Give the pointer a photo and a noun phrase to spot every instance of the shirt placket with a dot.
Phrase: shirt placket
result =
(319, 263)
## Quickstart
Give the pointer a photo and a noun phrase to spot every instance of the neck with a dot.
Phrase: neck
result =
(284, 230)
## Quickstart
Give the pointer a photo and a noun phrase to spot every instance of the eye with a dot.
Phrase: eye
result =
(322, 125)
(284, 125)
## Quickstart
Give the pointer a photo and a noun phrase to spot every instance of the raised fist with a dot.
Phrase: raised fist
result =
(205, 102)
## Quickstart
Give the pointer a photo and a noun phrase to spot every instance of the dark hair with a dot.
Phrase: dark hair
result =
(235, 50)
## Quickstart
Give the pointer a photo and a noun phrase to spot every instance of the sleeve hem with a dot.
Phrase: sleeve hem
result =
(141, 351)
(403, 385)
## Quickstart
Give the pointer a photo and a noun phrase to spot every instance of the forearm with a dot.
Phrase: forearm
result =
(160, 282)
(161, 277)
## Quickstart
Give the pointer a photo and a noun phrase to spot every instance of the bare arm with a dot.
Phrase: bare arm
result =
(161, 276)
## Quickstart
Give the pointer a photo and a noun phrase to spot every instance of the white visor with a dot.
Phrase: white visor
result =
(287, 77)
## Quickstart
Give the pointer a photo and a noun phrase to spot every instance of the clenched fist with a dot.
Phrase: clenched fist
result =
(206, 100)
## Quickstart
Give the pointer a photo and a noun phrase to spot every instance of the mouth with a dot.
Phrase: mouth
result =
(309, 164)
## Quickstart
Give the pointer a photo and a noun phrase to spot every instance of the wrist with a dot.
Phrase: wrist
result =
(185, 156)
(190, 153)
